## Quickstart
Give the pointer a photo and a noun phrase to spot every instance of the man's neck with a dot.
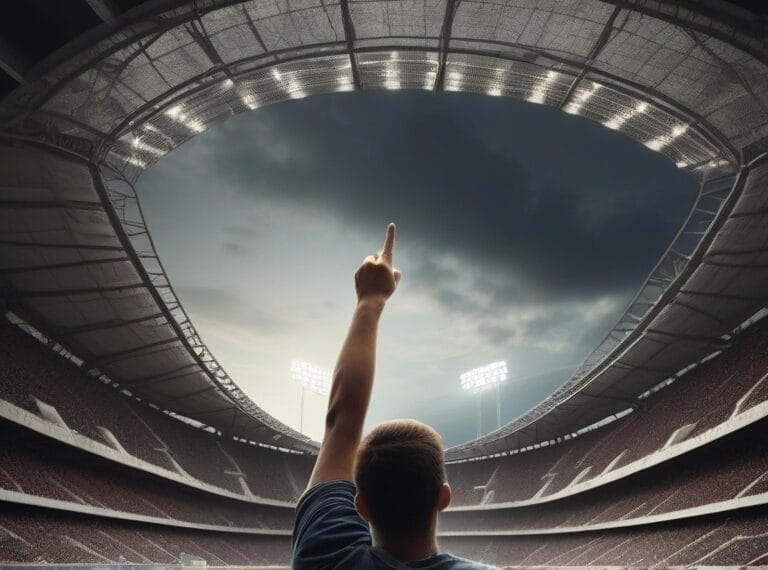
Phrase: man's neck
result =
(410, 548)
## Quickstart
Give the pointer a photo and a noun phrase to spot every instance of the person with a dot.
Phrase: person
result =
(398, 469)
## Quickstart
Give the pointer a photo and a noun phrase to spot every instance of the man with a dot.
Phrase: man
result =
(400, 483)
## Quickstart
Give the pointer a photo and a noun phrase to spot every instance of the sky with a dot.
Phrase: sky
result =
(523, 232)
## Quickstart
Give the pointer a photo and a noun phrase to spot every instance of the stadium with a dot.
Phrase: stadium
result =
(124, 439)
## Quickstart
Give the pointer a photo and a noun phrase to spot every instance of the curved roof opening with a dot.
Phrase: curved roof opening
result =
(524, 233)
(90, 119)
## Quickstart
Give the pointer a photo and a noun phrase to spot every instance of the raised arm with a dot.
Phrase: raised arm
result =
(375, 281)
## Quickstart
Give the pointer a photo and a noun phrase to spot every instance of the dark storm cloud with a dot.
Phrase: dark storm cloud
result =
(560, 233)
(241, 232)
(235, 248)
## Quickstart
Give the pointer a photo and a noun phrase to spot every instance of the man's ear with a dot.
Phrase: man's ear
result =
(444, 498)
(362, 508)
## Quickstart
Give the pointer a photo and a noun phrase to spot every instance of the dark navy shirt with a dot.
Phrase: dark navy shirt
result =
(328, 533)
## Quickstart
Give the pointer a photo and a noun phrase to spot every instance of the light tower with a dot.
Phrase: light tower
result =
(479, 380)
(310, 377)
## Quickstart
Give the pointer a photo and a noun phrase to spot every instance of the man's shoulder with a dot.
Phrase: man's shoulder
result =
(327, 530)
(441, 561)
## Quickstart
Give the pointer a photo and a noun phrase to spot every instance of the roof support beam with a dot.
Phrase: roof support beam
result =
(94, 247)
(253, 29)
(750, 251)
(52, 204)
(187, 395)
(664, 371)
(55, 266)
(179, 372)
(698, 310)
(13, 62)
(350, 36)
(104, 9)
(103, 325)
(724, 296)
(201, 38)
(726, 264)
(445, 39)
(605, 35)
(760, 212)
(206, 412)
(88, 291)
(708, 340)
(114, 356)
(631, 402)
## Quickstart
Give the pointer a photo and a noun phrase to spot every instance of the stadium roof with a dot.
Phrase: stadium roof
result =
(687, 79)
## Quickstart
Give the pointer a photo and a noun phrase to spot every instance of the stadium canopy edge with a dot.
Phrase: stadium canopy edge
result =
(687, 79)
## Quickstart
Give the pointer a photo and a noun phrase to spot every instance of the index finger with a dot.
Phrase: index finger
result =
(389, 242)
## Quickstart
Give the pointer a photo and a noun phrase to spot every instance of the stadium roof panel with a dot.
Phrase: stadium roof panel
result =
(686, 79)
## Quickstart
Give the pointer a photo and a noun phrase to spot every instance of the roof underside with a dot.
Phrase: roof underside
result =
(81, 129)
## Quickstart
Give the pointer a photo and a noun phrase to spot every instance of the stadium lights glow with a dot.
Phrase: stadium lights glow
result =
(228, 84)
(392, 80)
(310, 377)
(391, 73)
(345, 83)
(249, 101)
(176, 113)
(619, 120)
(581, 97)
(714, 163)
(660, 142)
(485, 377)
(292, 87)
(478, 380)
(539, 93)
(429, 79)
(454, 81)
(136, 162)
(137, 143)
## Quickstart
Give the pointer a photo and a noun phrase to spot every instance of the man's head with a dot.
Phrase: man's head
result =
(400, 478)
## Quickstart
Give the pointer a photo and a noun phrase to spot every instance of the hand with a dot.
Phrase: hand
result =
(377, 279)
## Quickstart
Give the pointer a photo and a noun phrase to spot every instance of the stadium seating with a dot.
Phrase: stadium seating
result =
(741, 537)
(28, 371)
(65, 474)
(32, 535)
(734, 466)
(688, 401)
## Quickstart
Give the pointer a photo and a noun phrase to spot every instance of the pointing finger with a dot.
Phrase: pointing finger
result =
(389, 242)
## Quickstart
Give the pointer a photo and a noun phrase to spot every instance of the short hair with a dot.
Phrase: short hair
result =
(399, 472)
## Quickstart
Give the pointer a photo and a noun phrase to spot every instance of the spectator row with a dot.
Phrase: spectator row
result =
(28, 371)
(29, 535)
(733, 467)
(39, 466)
(728, 384)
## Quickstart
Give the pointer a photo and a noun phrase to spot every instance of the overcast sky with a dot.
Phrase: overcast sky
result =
(522, 234)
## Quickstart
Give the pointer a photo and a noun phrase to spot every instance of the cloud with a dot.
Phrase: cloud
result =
(451, 190)
(520, 237)
(235, 248)
(224, 307)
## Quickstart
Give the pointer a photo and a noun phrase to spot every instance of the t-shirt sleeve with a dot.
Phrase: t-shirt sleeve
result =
(327, 527)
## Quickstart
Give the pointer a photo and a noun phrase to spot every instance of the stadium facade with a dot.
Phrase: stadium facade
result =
(650, 453)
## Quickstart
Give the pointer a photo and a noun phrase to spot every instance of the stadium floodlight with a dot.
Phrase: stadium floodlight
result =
(479, 380)
(310, 377)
